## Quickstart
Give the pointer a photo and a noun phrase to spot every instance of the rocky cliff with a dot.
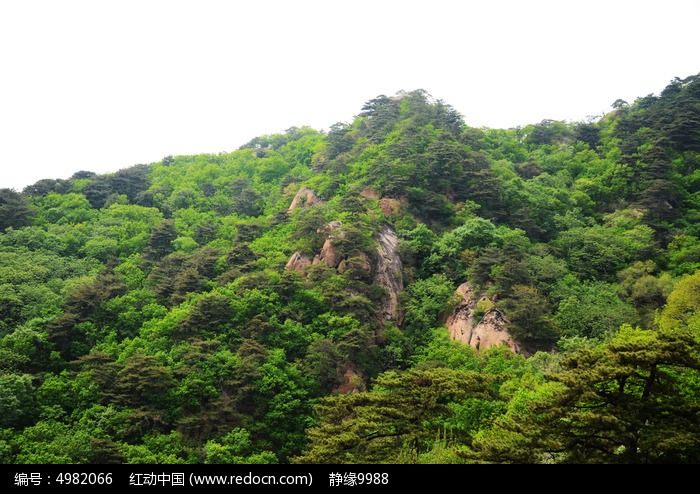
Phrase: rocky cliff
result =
(476, 323)
(383, 265)
(304, 197)
(387, 272)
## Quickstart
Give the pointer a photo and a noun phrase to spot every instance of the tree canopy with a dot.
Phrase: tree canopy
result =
(288, 302)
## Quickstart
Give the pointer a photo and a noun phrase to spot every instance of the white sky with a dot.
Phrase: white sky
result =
(102, 85)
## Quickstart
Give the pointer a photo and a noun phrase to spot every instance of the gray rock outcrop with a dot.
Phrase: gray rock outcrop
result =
(388, 272)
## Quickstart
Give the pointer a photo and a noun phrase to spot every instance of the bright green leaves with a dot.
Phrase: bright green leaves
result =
(426, 303)
(148, 315)
(17, 407)
(394, 422)
(599, 252)
(682, 309)
(69, 208)
(593, 310)
(235, 448)
(631, 400)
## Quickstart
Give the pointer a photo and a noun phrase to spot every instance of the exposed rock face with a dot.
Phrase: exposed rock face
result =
(488, 332)
(330, 228)
(298, 262)
(388, 272)
(390, 207)
(303, 197)
(370, 193)
(491, 331)
(351, 383)
(461, 322)
(383, 267)
(361, 262)
(329, 255)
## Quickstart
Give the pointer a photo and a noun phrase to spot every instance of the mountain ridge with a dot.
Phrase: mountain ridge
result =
(292, 301)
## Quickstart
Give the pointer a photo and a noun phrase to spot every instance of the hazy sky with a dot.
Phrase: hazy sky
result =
(102, 85)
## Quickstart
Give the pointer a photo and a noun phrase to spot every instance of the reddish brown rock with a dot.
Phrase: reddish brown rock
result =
(390, 207)
(328, 255)
(489, 331)
(370, 193)
(304, 197)
(298, 262)
(352, 382)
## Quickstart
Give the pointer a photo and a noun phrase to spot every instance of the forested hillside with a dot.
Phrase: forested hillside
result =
(402, 288)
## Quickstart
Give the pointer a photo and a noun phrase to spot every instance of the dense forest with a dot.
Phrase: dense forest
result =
(402, 288)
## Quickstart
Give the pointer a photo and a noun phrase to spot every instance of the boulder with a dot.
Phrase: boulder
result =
(488, 331)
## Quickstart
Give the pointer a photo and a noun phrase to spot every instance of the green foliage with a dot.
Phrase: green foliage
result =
(426, 305)
(681, 309)
(592, 310)
(529, 317)
(598, 252)
(151, 315)
(71, 208)
(546, 132)
(401, 412)
(85, 316)
(51, 441)
(17, 407)
(684, 254)
(15, 211)
(441, 351)
(157, 449)
(632, 400)
(160, 240)
(142, 382)
(236, 448)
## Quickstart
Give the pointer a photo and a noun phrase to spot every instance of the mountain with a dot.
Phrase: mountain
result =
(403, 288)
